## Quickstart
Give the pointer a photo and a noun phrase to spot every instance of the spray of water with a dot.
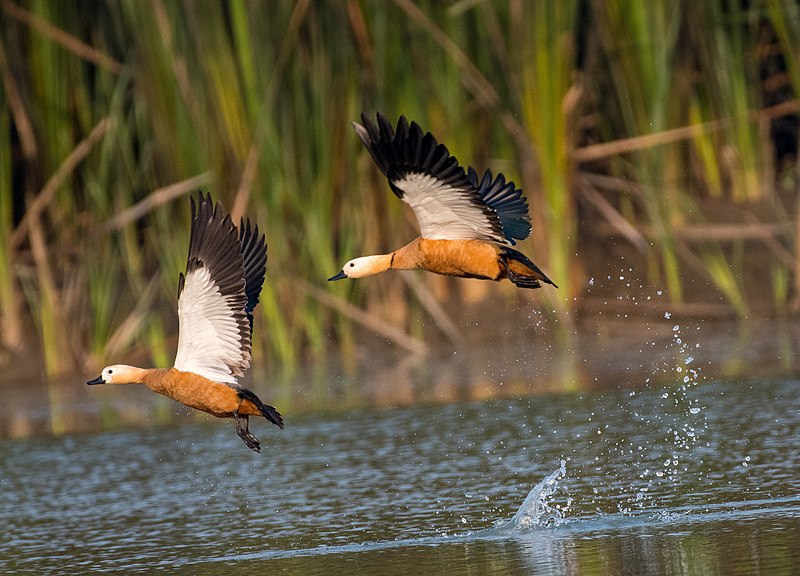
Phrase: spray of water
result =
(634, 470)
(540, 509)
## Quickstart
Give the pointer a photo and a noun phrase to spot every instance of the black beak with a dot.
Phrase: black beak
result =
(339, 276)
(98, 380)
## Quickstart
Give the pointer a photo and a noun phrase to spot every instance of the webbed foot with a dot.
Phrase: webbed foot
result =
(245, 434)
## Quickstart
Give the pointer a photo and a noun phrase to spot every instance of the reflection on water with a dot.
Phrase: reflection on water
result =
(605, 355)
(433, 487)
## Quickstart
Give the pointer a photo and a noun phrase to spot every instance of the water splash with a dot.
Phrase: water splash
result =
(538, 511)
(639, 472)
(681, 421)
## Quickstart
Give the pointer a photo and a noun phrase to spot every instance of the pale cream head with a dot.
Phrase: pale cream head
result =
(117, 374)
(364, 266)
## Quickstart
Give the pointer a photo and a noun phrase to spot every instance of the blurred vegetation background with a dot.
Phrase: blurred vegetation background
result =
(658, 136)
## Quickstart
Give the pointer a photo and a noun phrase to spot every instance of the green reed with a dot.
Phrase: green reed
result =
(546, 69)
(725, 277)
(784, 15)
(730, 89)
(639, 41)
(260, 95)
(10, 316)
(781, 283)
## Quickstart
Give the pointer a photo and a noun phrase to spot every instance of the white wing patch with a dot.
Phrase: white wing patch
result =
(208, 340)
(445, 212)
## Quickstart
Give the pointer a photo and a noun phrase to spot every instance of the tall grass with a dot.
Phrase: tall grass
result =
(10, 317)
(549, 101)
(784, 16)
(731, 88)
(103, 103)
(640, 50)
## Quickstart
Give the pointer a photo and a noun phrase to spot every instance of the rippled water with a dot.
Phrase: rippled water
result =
(697, 479)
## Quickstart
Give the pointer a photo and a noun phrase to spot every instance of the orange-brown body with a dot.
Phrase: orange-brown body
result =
(469, 258)
(464, 258)
(197, 392)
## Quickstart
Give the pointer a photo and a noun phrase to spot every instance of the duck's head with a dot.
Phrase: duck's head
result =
(364, 266)
(116, 374)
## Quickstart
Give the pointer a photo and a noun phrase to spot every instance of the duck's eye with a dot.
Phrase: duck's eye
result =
(352, 264)
(110, 371)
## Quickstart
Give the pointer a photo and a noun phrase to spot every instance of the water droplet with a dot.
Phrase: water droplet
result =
(667, 315)
(694, 410)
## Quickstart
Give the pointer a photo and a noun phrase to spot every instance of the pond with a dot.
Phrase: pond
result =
(692, 477)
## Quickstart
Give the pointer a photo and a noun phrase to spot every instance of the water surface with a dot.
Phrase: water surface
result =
(683, 479)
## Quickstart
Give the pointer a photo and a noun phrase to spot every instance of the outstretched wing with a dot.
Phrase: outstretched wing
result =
(254, 256)
(507, 201)
(214, 331)
(448, 203)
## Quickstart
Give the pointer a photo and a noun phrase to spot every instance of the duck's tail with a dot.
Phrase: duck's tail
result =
(522, 271)
(269, 412)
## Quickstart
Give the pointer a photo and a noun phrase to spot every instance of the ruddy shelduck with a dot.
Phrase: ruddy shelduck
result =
(467, 225)
(224, 274)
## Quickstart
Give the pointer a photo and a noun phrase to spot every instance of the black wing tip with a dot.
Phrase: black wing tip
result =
(406, 148)
(253, 246)
(507, 201)
(214, 244)
(382, 129)
(204, 202)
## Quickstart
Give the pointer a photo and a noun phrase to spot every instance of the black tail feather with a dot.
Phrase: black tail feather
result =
(521, 280)
(269, 412)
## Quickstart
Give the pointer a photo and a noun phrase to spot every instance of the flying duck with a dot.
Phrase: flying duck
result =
(467, 224)
(216, 297)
